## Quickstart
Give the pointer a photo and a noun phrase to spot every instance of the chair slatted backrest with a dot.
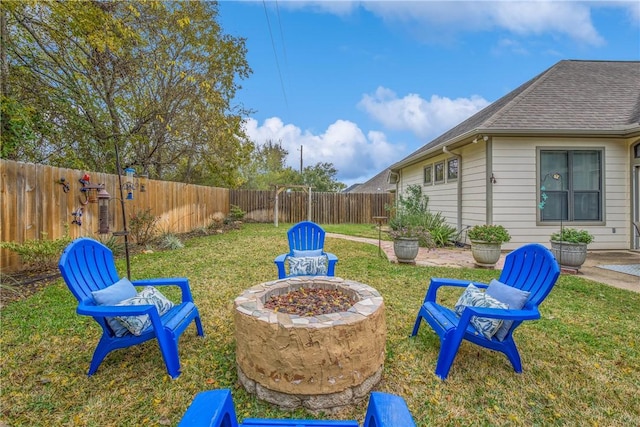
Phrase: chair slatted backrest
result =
(305, 236)
(531, 268)
(87, 265)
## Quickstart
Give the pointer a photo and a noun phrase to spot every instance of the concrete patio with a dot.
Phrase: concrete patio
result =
(461, 257)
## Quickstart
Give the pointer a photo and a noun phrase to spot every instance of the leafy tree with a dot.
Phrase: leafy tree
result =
(321, 177)
(267, 168)
(154, 79)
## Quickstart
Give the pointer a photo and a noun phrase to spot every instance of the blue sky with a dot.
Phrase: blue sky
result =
(362, 84)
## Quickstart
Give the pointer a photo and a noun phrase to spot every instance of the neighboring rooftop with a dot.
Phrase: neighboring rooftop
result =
(377, 184)
(351, 188)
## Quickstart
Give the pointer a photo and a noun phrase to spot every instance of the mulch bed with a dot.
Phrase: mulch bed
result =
(310, 302)
(17, 286)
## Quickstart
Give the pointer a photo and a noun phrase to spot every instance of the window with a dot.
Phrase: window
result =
(570, 185)
(438, 170)
(452, 169)
(428, 175)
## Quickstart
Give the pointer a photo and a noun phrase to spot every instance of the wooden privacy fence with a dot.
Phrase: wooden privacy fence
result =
(326, 208)
(37, 204)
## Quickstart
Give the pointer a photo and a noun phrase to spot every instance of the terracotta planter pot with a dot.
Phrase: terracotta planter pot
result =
(485, 254)
(570, 255)
(406, 249)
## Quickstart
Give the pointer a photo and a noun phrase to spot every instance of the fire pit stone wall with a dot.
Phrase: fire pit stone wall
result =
(322, 362)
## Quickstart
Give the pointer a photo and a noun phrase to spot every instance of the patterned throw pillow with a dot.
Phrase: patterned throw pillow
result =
(514, 298)
(474, 297)
(308, 266)
(147, 296)
(112, 295)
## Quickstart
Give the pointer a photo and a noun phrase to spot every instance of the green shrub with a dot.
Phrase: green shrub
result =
(413, 211)
(112, 243)
(441, 232)
(143, 226)
(236, 214)
(489, 233)
(39, 254)
(170, 241)
(572, 235)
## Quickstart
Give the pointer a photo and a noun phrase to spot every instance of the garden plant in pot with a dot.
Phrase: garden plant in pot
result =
(569, 247)
(407, 241)
(486, 243)
(409, 224)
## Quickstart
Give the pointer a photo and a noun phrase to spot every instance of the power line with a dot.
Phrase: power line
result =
(275, 53)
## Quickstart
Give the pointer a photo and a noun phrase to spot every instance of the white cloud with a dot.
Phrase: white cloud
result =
(439, 20)
(539, 17)
(634, 12)
(424, 118)
(343, 144)
(340, 8)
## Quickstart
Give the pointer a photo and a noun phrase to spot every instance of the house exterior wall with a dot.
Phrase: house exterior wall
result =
(442, 196)
(515, 195)
(512, 200)
(474, 184)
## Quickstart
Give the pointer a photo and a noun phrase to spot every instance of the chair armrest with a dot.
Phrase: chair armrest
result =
(211, 408)
(181, 282)
(279, 261)
(332, 260)
(501, 313)
(281, 258)
(438, 282)
(387, 410)
(114, 310)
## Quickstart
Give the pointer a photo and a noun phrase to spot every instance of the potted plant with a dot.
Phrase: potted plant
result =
(569, 246)
(407, 241)
(486, 243)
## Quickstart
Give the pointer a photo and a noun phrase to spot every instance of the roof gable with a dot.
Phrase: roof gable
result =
(571, 96)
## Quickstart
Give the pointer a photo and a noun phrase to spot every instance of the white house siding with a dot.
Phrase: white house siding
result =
(515, 198)
(514, 201)
(474, 184)
(442, 197)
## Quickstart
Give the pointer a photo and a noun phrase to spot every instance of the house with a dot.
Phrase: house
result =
(351, 188)
(377, 184)
(563, 149)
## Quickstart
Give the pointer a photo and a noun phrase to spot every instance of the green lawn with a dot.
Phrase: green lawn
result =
(580, 360)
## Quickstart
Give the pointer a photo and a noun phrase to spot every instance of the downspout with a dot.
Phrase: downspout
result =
(488, 181)
(395, 177)
(459, 186)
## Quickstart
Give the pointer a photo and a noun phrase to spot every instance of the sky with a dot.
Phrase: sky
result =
(363, 84)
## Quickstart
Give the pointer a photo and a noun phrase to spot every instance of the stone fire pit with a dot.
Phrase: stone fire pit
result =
(321, 363)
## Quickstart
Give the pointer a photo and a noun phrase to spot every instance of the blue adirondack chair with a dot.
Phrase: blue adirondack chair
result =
(530, 268)
(214, 408)
(305, 237)
(87, 266)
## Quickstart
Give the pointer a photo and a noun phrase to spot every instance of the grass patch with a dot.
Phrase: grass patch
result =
(580, 360)
(369, 231)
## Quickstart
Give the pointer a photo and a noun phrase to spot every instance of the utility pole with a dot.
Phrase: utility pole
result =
(301, 160)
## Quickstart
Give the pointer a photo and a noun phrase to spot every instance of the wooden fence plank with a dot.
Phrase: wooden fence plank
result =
(33, 202)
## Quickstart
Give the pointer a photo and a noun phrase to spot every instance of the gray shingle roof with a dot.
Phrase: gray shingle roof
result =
(377, 184)
(570, 97)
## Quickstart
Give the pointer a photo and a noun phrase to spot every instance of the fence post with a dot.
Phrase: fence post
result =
(309, 211)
